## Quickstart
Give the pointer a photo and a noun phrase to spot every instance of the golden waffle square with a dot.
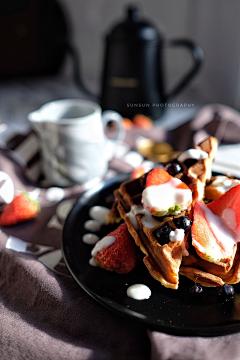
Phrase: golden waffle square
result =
(199, 173)
(162, 261)
(210, 274)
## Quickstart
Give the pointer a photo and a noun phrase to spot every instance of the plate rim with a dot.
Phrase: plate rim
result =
(177, 330)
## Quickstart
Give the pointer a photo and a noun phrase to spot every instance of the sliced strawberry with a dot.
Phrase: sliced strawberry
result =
(137, 172)
(121, 255)
(228, 208)
(210, 238)
(22, 208)
(157, 177)
(182, 186)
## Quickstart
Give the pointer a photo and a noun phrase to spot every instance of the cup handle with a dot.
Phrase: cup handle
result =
(113, 116)
(198, 57)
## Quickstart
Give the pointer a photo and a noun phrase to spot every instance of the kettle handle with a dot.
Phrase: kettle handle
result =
(198, 56)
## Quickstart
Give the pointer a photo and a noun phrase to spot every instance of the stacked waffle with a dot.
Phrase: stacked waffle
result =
(164, 237)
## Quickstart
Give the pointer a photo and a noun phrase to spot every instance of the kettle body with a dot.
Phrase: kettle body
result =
(133, 79)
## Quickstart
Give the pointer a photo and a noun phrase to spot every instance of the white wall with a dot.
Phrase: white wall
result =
(217, 28)
(214, 24)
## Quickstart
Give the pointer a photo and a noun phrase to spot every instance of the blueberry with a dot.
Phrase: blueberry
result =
(173, 168)
(162, 234)
(183, 222)
(196, 290)
(226, 291)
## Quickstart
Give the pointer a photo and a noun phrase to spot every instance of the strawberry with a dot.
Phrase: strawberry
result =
(137, 172)
(165, 200)
(142, 121)
(161, 176)
(157, 177)
(228, 208)
(216, 226)
(121, 255)
(22, 208)
(207, 245)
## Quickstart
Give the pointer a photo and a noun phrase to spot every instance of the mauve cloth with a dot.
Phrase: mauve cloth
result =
(46, 315)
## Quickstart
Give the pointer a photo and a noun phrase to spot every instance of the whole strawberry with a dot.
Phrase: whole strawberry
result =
(121, 255)
(22, 208)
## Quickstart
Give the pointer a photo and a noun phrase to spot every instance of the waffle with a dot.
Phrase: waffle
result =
(162, 258)
(162, 261)
(209, 274)
(199, 173)
(218, 185)
(212, 274)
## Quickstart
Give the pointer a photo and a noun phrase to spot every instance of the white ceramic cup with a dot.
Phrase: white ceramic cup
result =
(72, 139)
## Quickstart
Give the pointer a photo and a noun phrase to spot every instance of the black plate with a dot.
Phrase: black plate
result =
(171, 311)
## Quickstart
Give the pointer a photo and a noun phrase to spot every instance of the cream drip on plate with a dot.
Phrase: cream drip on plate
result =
(167, 196)
(139, 292)
(99, 213)
(90, 239)
(92, 225)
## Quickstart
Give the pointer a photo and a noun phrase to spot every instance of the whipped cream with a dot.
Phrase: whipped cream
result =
(99, 213)
(139, 292)
(166, 198)
(102, 244)
(147, 219)
(54, 194)
(196, 154)
(178, 235)
(221, 231)
(229, 218)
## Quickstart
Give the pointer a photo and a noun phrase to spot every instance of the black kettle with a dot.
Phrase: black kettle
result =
(133, 75)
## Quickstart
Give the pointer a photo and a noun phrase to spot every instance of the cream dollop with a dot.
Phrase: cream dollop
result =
(166, 198)
(99, 213)
(90, 239)
(139, 292)
(178, 235)
(192, 154)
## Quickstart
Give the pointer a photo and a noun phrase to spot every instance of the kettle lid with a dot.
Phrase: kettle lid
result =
(134, 28)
